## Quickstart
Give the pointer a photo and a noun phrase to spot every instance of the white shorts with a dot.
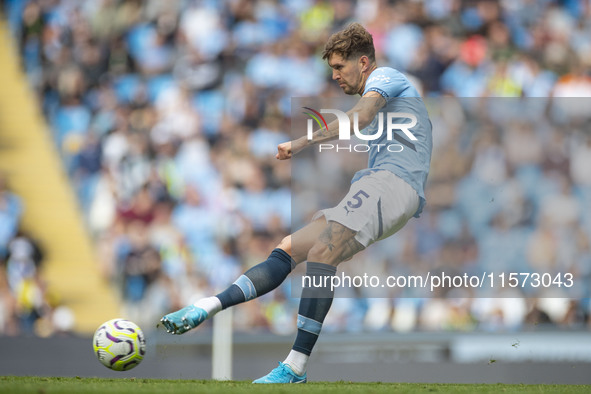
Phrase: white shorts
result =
(377, 206)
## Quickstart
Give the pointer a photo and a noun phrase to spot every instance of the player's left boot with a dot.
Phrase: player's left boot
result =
(282, 374)
(184, 319)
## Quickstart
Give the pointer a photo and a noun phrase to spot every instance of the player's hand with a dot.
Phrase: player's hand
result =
(284, 151)
(287, 149)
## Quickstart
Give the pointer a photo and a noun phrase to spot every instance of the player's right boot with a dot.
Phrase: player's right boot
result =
(282, 374)
(184, 319)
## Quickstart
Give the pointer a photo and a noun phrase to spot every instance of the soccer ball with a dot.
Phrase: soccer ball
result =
(119, 344)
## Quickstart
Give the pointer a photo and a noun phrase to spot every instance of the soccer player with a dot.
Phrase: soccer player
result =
(381, 199)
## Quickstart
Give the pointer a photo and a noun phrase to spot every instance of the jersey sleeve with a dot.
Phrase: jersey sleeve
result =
(388, 85)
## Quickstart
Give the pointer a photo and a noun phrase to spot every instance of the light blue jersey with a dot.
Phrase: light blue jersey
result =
(402, 155)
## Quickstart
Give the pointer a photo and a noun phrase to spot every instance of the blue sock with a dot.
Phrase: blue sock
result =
(314, 305)
(258, 280)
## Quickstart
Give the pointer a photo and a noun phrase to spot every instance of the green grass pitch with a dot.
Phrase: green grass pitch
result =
(42, 385)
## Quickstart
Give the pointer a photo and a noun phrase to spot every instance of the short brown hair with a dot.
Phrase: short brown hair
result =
(354, 40)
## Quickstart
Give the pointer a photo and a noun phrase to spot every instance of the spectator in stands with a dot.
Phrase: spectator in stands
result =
(11, 209)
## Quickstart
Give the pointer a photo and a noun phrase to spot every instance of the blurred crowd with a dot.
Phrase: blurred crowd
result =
(167, 115)
(26, 305)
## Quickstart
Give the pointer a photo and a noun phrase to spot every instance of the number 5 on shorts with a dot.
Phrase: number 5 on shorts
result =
(357, 197)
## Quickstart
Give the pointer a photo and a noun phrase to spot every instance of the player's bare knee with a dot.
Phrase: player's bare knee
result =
(285, 245)
(323, 253)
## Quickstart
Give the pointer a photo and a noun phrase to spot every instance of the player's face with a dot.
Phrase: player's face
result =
(347, 73)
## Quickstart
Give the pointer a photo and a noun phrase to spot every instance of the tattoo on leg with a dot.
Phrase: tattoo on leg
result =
(342, 239)
(326, 237)
(350, 248)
